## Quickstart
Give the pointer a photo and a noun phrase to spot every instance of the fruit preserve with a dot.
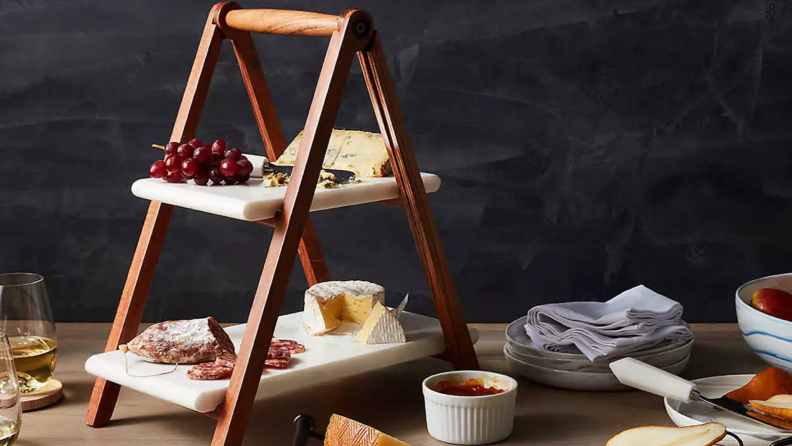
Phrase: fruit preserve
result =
(470, 387)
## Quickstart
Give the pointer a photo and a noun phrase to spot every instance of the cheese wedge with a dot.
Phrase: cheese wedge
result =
(360, 152)
(345, 432)
(381, 327)
(329, 303)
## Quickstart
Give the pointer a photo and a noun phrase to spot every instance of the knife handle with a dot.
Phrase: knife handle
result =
(634, 373)
(258, 164)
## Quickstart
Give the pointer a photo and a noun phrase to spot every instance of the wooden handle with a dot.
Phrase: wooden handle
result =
(283, 22)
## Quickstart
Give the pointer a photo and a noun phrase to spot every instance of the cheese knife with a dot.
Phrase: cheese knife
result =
(640, 375)
(262, 166)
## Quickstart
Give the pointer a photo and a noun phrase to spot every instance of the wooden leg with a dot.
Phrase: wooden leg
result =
(313, 261)
(141, 273)
(235, 412)
(133, 301)
(416, 204)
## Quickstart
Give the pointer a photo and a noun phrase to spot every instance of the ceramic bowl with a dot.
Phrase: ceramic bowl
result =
(577, 380)
(470, 420)
(768, 336)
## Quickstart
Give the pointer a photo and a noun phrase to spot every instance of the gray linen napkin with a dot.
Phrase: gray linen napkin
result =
(635, 320)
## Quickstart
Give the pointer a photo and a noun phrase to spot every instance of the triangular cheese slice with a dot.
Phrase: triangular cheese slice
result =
(345, 432)
(381, 327)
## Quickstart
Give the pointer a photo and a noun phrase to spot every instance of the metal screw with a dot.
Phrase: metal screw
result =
(361, 29)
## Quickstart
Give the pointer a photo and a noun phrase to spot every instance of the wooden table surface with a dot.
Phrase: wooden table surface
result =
(388, 399)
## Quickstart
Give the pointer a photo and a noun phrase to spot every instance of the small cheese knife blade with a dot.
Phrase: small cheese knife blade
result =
(400, 309)
(261, 166)
(341, 176)
(640, 375)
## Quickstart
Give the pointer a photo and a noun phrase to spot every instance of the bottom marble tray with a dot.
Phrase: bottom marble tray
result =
(326, 358)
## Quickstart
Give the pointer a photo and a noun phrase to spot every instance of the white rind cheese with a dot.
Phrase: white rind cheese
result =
(329, 303)
(381, 327)
(360, 152)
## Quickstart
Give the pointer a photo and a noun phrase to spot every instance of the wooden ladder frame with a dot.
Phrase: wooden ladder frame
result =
(350, 33)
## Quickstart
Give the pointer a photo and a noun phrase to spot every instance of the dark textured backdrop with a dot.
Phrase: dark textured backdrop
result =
(585, 147)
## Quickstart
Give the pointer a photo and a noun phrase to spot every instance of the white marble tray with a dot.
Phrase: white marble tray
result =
(326, 358)
(253, 202)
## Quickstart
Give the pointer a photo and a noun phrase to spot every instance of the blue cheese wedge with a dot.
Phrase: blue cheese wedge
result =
(357, 151)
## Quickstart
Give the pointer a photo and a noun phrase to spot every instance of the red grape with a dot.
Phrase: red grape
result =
(174, 177)
(214, 159)
(242, 179)
(171, 147)
(215, 175)
(195, 143)
(228, 167)
(201, 154)
(172, 163)
(189, 167)
(185, 151)
(243, 157)
(234, 154)
(245, 168)
(219, 146)
(202, 175)
(157, 170)
(230, 180)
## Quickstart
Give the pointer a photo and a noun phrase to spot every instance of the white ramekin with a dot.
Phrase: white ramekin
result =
(470, 419)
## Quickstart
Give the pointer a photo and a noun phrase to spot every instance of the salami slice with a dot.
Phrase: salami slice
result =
(182, 342)
(288, 345)
(209, 371)
(226, 361)
(278, 359)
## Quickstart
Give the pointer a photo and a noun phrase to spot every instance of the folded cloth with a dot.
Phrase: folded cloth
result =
(635, 320)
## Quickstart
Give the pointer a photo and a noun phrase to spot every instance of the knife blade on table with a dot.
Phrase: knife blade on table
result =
(634, 373)
(261, 165)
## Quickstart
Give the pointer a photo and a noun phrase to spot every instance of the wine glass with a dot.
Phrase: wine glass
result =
(26, 318)
(10, 410)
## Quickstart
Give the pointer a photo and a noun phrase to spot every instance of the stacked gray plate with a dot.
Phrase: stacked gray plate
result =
(574, 370)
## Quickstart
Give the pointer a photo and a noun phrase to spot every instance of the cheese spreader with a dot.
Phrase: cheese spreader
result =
(634, 373)
(262, 166)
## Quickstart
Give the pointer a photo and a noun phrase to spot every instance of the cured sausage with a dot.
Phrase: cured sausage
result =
(209, 371)
(288, 345)
(275, 358)
(182, 342)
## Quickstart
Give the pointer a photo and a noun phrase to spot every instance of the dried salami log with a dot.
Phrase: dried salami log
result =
(182, 342)
(209, 371)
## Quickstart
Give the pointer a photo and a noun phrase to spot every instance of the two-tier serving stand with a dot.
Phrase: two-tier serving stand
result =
(351, 34)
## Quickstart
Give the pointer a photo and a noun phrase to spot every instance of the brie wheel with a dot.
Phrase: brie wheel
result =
(327, 304)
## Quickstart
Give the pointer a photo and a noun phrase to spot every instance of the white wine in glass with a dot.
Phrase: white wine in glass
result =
(26, 318)
(10, 409)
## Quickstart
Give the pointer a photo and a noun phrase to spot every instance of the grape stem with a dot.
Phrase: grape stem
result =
(157, 146)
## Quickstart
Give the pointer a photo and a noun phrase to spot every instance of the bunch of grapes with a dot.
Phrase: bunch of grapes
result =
(201, 163)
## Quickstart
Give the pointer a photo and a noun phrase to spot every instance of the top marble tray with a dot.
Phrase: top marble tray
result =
(253, 202)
